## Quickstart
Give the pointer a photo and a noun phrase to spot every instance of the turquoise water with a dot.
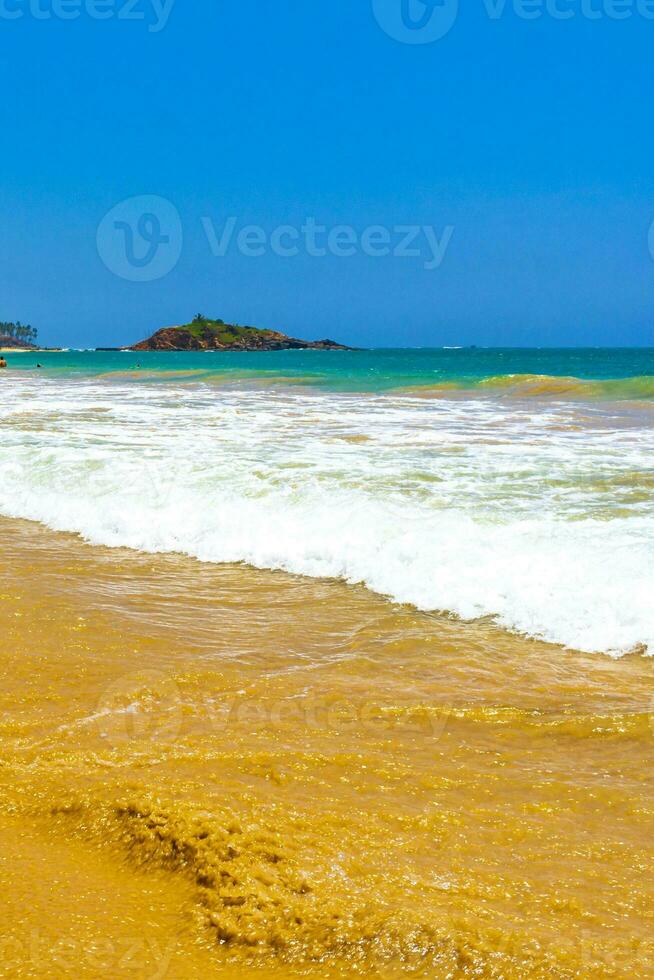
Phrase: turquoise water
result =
(515, 484)
(370, 370)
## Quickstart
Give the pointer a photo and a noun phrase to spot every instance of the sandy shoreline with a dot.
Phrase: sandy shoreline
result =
(273, 769)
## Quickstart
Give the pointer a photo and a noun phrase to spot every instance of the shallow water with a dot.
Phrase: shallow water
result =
(582, 372)
(216, 770)
(516, 499)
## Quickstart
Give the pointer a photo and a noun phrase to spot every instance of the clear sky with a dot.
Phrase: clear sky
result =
(516, 150)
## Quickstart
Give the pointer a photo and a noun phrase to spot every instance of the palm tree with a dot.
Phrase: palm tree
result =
(19, 331)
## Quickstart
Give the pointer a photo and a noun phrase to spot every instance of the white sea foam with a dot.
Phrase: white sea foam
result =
(541, 515)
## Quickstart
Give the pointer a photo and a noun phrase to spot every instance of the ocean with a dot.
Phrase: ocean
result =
(512, 484)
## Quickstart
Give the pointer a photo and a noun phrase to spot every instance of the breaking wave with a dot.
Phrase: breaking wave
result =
(541, 516)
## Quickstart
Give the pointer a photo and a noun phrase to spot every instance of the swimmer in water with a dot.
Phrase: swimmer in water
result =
(3, 363)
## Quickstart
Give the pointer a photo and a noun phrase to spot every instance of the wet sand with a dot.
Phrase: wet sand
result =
(212, 770)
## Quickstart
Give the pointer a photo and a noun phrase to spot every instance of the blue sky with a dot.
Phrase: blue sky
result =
(525, 145)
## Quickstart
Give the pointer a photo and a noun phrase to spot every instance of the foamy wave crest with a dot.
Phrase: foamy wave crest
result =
(541, 517)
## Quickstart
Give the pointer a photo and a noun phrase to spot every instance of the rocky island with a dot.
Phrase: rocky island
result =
(205, 334)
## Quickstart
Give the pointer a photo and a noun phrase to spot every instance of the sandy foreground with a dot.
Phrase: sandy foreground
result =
(216, 771)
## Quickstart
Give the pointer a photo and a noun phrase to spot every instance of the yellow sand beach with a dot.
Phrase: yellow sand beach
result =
(213, 770)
